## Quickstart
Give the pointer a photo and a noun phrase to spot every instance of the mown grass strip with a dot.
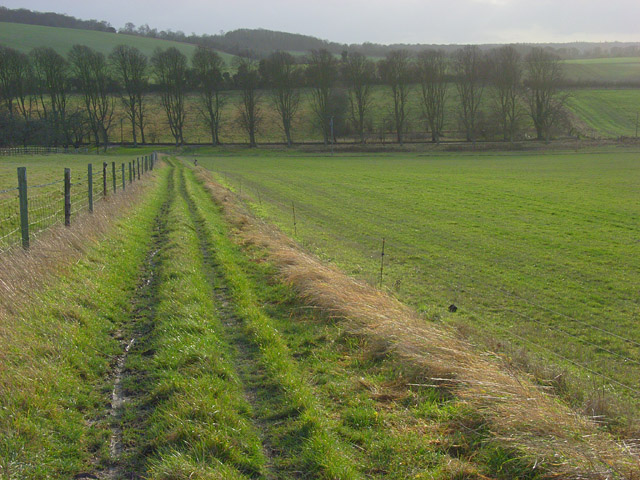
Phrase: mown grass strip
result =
(56, 355)
(324, 455)
(197, 424)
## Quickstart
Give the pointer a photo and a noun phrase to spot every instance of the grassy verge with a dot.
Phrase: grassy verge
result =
(57, 353)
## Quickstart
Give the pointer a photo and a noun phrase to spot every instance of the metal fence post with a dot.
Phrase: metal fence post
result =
(24, 206)
(113, 171)
(67, 197)
(90, 186)
(104, 178)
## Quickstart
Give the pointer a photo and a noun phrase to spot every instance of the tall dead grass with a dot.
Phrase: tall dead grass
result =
(519, 414)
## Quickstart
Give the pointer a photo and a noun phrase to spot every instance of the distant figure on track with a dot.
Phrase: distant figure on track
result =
(195, 162)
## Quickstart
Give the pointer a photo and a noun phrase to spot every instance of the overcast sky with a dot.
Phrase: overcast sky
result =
(378, 21)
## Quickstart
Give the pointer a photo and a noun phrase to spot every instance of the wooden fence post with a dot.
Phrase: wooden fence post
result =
(104, 179)
(67, 197)
(90, 186)
(130, 174)
(138, 168)
(124, 184)
(152, 159)
(113, 171)
(24, 206)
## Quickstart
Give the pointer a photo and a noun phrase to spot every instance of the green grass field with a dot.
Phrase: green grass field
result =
(27, 37)
(531, 248)
(614, 70)
(609, 113)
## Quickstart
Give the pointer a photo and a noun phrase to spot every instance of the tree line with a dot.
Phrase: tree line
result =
(51, 19)
(35, 89)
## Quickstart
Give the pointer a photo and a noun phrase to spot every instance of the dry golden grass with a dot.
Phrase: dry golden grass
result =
(519, 414)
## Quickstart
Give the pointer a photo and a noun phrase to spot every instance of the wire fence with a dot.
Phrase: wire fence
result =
(598, 352)
(28, 210)
(36, 150)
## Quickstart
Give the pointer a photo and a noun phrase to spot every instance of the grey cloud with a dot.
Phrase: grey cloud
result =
(388, 21)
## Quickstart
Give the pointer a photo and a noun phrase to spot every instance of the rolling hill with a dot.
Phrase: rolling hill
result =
(24, 38)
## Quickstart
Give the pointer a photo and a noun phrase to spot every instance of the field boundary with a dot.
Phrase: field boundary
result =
(27, 210)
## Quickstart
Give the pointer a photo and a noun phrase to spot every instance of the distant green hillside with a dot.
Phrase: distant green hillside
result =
(604, 69)
(26, 37)
(610, 113)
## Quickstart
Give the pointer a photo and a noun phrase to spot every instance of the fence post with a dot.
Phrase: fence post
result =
(130, 174)
(24, 206)
(123, 182)
(67, 197)
(104, 179)
(138, 168)
(90, 186)
(152, 160)
(382, 263)
(113, 171)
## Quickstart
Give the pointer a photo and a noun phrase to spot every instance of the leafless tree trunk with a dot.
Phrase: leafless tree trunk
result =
(470, 69)
(322, 73)
(359, 72)
(51, 72)
(248, 80)
(16, 86)
(507, 85)
(170, 69)
(281, 72)
(131, 66)
(92, 73)
(395, 71)
(208, 67)
(543, 81)
(432, 71)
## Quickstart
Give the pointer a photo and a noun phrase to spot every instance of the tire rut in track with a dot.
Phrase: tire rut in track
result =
(132, 335)
(261, 392)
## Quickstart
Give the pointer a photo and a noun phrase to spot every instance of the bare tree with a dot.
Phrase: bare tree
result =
(91, 71)
(208, 67)
(322, 73)
(359, 72)
(51, 75)
(432, 73)
(470, 70)
(16, 89)
(16, 82)
(282, 74)
(507, 88)
(543, 81)
(131, 67)
(395, 71)
(170, 69)
(248, 80)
